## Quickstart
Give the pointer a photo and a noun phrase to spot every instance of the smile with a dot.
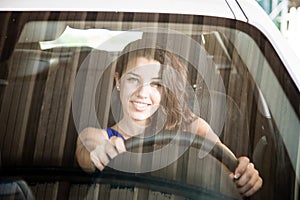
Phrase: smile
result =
(140, 106)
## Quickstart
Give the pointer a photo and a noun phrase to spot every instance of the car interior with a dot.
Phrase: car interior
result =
(46, 82)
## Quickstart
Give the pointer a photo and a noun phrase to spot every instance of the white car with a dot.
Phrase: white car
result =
(56, 78)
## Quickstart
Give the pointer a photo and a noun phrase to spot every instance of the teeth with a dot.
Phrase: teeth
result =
(140, 106)
(140, 103)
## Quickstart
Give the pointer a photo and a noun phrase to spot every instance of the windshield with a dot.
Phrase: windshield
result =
(57, 78)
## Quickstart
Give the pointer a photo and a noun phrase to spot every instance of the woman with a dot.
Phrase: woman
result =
(149, 81)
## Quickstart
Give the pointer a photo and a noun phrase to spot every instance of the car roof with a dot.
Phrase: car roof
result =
(220, 8)
(247, 11)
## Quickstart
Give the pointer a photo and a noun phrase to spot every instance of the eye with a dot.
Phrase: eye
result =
(156, 84)
(132, 80)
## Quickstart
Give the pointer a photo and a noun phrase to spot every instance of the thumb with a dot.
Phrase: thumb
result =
(242, 166)
(119, 144)
(231, 176)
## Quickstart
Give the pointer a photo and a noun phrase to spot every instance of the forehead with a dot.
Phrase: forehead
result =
(144, 67)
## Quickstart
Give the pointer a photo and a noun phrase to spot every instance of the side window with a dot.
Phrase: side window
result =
(261, 120)
(284, 116)
(275, 127)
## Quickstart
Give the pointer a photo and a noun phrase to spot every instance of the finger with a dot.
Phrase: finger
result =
(246, 176)
(119, 144)
(101, 154)
(111, 150)
(251, 178)
(231, 176)
(242, 166)
(96, 161)
(254, 189)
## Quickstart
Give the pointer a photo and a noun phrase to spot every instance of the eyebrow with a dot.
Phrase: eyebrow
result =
(131, 73)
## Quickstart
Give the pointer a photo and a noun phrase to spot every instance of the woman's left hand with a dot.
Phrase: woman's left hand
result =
(246, 177)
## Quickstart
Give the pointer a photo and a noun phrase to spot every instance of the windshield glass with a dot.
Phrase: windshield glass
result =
(57, 78)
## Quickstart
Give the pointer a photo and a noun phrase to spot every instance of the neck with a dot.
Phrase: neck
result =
(132, 128)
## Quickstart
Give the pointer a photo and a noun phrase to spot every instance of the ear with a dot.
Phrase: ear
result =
(117, 79)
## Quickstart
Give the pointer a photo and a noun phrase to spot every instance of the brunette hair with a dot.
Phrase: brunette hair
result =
(175, 79)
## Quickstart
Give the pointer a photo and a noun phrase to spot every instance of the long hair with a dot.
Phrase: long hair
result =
(175, 80)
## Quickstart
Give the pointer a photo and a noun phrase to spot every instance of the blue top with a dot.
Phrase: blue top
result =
(112, 132)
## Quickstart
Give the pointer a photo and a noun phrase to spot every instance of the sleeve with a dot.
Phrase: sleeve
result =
(111, 133)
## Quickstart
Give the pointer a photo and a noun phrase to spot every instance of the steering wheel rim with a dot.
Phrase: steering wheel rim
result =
(163, 183)
(217, 150)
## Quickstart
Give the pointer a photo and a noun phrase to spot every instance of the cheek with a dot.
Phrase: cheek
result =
(126, 92)
(156, 96)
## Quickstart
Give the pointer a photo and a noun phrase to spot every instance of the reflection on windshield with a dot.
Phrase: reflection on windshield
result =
(93, 38)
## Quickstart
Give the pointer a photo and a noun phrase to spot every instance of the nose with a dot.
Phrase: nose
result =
(143, 91)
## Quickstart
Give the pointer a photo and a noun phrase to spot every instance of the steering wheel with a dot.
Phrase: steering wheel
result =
(150, 179)
(186, 139)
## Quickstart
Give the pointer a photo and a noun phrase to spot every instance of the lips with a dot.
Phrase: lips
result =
(140, 106)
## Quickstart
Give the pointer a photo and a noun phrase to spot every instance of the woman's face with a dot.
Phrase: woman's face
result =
(140, 90)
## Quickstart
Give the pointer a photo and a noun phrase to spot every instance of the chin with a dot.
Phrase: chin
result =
(139, 117)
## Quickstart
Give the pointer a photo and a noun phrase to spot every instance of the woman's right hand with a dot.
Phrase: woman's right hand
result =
(107, 150)
(95, 149)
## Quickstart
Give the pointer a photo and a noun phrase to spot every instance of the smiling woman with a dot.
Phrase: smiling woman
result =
(141, 97)
(219, 62)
